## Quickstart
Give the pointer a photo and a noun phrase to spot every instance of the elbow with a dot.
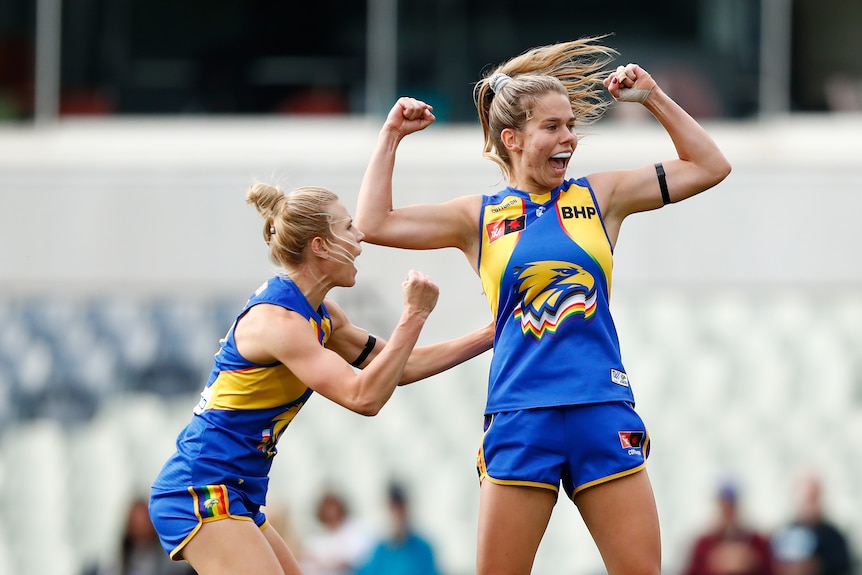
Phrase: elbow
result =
(715, 172)
(725, 169)
(374, 228)
(369, 396)
(368, 407)
(368, 226)
(721, 169)
(362, 223)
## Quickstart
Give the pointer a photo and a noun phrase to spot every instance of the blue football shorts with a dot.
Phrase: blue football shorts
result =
(178, 515)
(577, 446)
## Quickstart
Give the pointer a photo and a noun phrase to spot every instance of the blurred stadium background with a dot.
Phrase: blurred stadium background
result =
(129, 131)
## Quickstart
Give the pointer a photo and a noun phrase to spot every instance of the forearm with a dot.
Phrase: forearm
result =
(375, 192)
(692, 142)
(376, 382)
(432, 359)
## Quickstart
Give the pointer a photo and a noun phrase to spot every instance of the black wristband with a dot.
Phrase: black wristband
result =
(369, 345)
(662, 184)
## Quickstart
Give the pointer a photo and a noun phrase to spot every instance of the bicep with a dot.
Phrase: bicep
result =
(320, 369)
(317, 367)
(350, 341)
(271, 333)
(626, 192)
(430, 226)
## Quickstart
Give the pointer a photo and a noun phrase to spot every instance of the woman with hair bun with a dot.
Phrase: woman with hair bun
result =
(287, 342)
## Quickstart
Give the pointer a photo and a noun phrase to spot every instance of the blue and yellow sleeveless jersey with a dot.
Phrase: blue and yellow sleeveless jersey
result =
(545, 263)
(244, 409)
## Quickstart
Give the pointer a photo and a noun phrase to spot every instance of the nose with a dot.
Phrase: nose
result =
(571, 138)
(359, 235)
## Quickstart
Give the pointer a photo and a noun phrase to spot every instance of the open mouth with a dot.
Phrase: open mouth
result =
(560, 161)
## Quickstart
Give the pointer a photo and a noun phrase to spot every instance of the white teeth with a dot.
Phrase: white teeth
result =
(562, 156)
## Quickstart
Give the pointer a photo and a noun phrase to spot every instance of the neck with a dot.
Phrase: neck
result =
(313, 284)
(530, 187)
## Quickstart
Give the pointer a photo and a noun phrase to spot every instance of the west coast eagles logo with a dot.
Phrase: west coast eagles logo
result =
(269, 437)
(550, 292)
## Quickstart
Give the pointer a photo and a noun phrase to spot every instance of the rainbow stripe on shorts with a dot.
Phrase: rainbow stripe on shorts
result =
(211, 501)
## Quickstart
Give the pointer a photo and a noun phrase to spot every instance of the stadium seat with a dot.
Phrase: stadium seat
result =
(39, 511)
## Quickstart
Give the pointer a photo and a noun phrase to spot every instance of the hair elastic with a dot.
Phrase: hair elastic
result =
(498, 80)
(369, 345)
(662, 184)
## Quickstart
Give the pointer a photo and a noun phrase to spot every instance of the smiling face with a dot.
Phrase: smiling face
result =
(541, 151)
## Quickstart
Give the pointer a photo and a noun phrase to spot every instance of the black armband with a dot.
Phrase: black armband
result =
(662, 184)
(369, 345)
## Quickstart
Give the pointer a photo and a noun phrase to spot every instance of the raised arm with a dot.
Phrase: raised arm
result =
(420, 226)
(270, 333)
(699, 164)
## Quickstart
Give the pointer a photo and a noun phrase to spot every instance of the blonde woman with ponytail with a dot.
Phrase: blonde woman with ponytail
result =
(560, 409)
(288, 342)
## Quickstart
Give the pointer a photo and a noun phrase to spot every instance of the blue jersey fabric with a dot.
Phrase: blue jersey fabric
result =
(243, 410)
(545, 263)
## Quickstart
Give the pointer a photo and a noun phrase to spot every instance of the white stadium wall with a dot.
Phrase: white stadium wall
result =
(159, 204)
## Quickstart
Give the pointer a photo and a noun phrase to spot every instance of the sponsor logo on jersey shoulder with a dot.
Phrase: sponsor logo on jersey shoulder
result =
(619, 377)
(500, 228)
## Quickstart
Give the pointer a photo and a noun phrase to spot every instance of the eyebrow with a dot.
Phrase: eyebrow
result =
(557, 119)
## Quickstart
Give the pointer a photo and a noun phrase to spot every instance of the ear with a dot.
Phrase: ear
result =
(510, 139)
(318, 247)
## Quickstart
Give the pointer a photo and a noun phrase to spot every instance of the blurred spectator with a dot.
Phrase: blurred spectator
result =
(843, 93)
(811, 544)
(730, 547)
(404, 552)
(140, 550)
(342, 546)
(16, 76)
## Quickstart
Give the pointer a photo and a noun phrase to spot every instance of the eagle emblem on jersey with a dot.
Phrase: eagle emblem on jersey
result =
(270, 436)
(552, 291)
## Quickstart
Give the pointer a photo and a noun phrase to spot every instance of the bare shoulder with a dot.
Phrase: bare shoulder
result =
(602, 182)
(267, 329)
(466, 202)
(467, 208)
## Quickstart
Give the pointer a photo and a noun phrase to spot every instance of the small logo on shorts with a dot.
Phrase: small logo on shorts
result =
(619, 377)
(631, 439)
